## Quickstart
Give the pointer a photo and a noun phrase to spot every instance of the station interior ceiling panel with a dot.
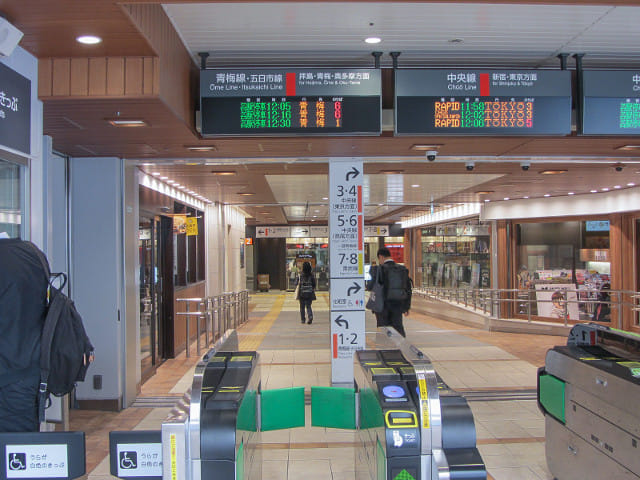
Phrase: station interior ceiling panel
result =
(146, 67)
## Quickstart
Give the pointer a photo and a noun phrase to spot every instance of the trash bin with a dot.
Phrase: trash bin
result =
(263, 282)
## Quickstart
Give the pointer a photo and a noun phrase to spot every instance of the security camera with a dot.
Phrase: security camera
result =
(525, 166)
(619, 167)
(431, 155)
(469, 166)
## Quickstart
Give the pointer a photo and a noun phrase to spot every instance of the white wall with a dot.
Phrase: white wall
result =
(225, 228)
(603, 203)
(96, 268)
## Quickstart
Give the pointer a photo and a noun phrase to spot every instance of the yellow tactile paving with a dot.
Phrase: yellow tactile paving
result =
(251, 338)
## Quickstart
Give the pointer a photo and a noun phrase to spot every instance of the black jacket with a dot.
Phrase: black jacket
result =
(23, 290)
(403, 306)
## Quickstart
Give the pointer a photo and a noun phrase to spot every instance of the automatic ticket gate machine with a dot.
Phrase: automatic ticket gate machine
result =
(589, 392)
(213, 434)
(411, 426)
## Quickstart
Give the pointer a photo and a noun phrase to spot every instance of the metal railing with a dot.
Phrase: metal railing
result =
(493, 302)
(219, 313)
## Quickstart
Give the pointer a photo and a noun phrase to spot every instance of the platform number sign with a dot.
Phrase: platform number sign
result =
(346, 254)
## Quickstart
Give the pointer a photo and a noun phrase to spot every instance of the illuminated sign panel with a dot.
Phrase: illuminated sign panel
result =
(290, 102)
(611, 102)
(480, 102)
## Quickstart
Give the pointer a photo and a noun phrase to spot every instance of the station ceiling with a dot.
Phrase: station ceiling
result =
(147, 67)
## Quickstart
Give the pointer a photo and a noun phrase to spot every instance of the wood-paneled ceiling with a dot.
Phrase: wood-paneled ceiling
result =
(146, 67)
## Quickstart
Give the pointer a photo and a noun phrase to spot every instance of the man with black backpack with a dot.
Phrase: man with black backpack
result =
(396, 291)
(23, 293)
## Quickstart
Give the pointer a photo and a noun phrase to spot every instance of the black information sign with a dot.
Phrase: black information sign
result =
(289, 102)
(15, 110)
(611, 102)
(482, 102)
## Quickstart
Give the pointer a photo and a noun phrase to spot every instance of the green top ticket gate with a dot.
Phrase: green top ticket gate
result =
(411, 425)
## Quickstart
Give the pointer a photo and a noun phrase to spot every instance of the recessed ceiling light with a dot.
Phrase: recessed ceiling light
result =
(223, 172)
(177, 185)
(372, 40)
(381, 204)
(631, 184)
(200, 148)
(604, 189)
(506, 198)
(182, 187)
(415, 186)
(618, 186)
(88, 39)
(246, 194)
(593, 191)
(156, 174)
(264, 213)
(164, 178)
(315, 216)
(571, 193)
(547, 194)
(121, 122)
(171, 182)
(526, 197)
(552, 172)
(484, 192)
(487, 200)
(325, 198)
(422, 147)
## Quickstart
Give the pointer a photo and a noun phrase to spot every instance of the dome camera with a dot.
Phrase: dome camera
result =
(619, 167)
(469, 166)
(431, 155)
(525, 166)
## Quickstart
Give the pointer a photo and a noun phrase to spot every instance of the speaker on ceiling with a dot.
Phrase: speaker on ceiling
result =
(10, 36)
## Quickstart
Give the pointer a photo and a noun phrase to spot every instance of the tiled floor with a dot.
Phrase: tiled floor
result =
(510, 433)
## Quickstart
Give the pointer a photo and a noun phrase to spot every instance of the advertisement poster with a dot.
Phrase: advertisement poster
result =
(551, 299)
(179, 224)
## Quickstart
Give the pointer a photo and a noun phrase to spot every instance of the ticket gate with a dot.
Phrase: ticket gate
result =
(588, 392)
(411, 425)
(213, 434)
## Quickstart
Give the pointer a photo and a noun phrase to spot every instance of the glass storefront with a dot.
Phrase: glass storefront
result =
(312, 250)
(12, 198)
(565, 268)
(456, 256)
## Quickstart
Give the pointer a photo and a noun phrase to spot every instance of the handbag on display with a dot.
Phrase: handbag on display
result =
(376, 297)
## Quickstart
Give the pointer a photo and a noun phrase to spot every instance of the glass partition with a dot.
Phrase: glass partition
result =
(12, 197)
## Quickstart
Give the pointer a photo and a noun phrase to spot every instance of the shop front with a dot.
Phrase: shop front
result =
(456, 255)
(563, 270)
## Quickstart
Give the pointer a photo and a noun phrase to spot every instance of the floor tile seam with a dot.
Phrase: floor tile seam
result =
(264, 324)
(505, 441)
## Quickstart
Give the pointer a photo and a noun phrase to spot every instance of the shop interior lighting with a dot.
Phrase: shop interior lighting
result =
(88, 39)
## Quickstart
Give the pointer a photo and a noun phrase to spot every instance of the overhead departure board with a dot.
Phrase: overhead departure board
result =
(291, 102)
(611, 102)
(482, 102)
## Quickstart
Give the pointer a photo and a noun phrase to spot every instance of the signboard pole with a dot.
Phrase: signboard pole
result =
(346, 254)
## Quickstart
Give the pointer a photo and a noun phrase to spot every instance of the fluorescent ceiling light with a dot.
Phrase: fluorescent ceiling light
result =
(552, 172)
(201, 148)
(628, 147)
(88, 39)
(121, 122)
(372, 40)
(421, 147)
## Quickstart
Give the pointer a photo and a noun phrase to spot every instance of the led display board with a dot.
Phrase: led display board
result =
(611, 102)
(318, 101)
(482, 102)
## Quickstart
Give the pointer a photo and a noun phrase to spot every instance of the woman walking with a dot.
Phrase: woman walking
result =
(306, 292)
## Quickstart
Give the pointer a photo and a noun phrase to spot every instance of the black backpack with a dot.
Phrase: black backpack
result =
(65, 350)
(398, 284)
(306, 285)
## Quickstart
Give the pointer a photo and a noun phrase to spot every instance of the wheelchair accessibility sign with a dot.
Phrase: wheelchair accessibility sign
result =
(139, 460)
(36, 461)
